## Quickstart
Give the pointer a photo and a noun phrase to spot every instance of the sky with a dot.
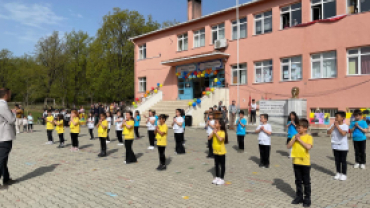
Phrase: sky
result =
(24, 22)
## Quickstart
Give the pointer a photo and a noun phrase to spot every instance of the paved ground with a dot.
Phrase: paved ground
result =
(51, 177)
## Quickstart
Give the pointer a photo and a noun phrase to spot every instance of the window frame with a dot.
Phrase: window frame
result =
(236, 23)
(142, 81)
(358, 6)
(321, 64)
(289, 64)
(182, 38)
(199, 33)
(142, 49)
(358, 56)
(322, 8)
(290, 14)
(262, 19)
(263, 66)
(238, 69)
(218, 32)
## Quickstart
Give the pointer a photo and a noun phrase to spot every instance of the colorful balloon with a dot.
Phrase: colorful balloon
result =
(198, 75)
(207, 89)
(156, 91)
(147, 92)
(208, 93)
(194, 104)
(152, 88)
(199, 101)
(215, 80)
(133, 103)
(190, 103)
(203, 92)
(213, 89)
(160, 85)
(218, 83)
(137, 99)
(145, 95)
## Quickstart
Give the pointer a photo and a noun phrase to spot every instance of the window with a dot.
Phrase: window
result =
(199, 38)
(218, 32)
(239, 74)
(291, 68)
(263, 22)
(332, 111)
(142, 84)
(358, 61)
(291, 15)
(263, 71)
(357, 6)
(323, 9)
(182, 42)
(242, 24)
(142, 51)
(324, 65)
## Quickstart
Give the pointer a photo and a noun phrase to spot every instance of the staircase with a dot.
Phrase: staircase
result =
(166, 107)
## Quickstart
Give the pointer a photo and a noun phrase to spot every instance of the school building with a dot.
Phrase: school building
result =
(320, 46)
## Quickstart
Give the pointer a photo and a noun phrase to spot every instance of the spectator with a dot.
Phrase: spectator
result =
(19, 118)
(253, 112)
(219, 106)
(233, 110)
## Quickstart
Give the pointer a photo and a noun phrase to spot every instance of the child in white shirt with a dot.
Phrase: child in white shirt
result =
(25, 124)
(90, 125)
(150, 123)
(210, 125)
(264, 131)
(109, 119)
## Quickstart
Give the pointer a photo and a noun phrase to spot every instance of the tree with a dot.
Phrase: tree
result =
(6, 66)
(169, 23)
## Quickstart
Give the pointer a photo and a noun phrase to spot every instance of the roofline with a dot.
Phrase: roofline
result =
(193, 20)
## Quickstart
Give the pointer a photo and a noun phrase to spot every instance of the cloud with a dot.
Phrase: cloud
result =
(73, 14)
(35, 15)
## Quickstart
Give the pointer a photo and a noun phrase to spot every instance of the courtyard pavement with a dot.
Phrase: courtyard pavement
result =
(50, 177)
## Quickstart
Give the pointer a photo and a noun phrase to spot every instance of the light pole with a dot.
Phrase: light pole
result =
(237, 50)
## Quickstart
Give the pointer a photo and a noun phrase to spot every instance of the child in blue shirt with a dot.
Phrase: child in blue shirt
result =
(241, 131)
(293, 120)
(358, 128)
(137, 120)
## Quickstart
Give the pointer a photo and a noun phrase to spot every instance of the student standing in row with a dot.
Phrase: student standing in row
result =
(150, 123)
(25, 124)
(90, 125)
(137, 124)
(102, 134)
(301, 144)
(60, 130)
(253, 111)
(359, 128)
(161, 136)
(179, 132)
(74, 125)
(292, 127)
(241, 130)
(219, 138)
(339, 143)
(264, 140)
(30, 123)
(118, 122)
(49, 127)
(210, 126)
(183, 125)
(128, 132)
(109, 120)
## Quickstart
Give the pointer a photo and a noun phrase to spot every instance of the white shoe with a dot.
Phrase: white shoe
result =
(343, 177)
(150, 147)
(337, 176)
(215, 180)
(362, 166)
(18, 132)
(220, 182)
(356, 165)
(124, 162)
(120, 144)
(107, 142)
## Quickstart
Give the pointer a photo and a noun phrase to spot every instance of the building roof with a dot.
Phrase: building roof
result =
(194, 20)
(195, 58)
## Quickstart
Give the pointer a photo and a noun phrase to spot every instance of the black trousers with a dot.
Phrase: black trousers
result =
(130, 155)
(265, 154)
(179, 138)
(210, 148)
(30, 126)
(61, 138)
(74, 138)
(288, 140)
(119, 136)
(96, 120)
(220, 166)
(341, 161)
(253, 116)
(103, 144)
(50, 135)
(151, 136)
(108, 139)
(91, 131)
(241, 142)
(136, 129)
(302, 176)
(5, 148)
(360, 151)
(162, 156)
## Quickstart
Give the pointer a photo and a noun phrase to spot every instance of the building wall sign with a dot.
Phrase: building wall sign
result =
(186, 68)
(215, 64)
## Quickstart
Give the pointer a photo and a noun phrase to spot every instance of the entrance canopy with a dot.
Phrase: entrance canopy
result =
(195, 58)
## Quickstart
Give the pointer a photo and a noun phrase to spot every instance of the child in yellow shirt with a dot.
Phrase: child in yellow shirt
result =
(74, 125)
(220, 138)
(49, 127)
(102, 134)
(60, 130)
(301, 144)
(161, 136)
(128, 132)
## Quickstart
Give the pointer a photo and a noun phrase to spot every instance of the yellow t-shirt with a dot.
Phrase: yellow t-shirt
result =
(103, 132)
(162, 140)
(75, 129)
(129, 133)
(50, 123)
(59, 128)
(301, 155)
(219, 147)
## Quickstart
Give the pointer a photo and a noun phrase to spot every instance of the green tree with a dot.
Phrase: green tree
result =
(6, 66)
(169, 23)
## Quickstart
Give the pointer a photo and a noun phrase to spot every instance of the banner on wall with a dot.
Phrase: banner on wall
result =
(186, 68)
(327, 119)
(215, 64)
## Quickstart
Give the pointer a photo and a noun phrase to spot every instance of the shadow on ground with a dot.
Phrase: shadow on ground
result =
(284, 187)
(38, 172)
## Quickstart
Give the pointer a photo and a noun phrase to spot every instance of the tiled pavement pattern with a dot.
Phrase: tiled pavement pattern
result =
(51, 177)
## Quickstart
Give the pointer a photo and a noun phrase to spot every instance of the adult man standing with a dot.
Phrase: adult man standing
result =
(7, 134)
(253, 112)
(19, 119)
(219, 106)
(233, 109)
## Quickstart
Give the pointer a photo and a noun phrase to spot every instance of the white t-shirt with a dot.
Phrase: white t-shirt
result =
(176, 128)
(119, 124)
(209, 128)
(339, 142)
(151, 127)
(254, 106)
(109, 119)
(263, 138)
(25, 122)
(89, 124)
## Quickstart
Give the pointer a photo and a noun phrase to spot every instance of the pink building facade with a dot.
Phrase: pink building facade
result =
(320, 46)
